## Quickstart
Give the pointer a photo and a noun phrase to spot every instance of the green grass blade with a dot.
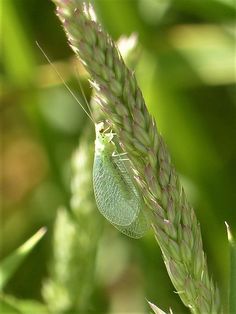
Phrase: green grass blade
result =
(156, 309)
(5, 307)
(232, 279)
(18, 69)
(12, 262)
(12, 305)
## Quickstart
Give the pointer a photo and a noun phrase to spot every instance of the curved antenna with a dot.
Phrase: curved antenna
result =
(64, 82)
(82, 91)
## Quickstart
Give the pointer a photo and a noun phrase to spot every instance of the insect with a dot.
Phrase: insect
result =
(116, 194)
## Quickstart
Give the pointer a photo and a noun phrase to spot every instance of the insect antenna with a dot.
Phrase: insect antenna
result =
(83, 93)
(67, 86)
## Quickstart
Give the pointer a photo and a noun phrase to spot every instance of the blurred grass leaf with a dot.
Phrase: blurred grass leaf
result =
(13, 261)
(157, 310)
(7, 307)
(11, 305)
(211, 10)
(232, 279)
(209, 50)
(19, 69)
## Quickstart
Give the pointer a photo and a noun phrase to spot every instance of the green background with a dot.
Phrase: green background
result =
(186, 67)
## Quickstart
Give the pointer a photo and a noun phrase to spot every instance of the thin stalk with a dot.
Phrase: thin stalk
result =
(232, 280)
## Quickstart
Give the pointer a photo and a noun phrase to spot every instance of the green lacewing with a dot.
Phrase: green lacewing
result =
(116, 194)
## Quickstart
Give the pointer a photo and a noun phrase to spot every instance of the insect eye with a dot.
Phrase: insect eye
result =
(100, 127)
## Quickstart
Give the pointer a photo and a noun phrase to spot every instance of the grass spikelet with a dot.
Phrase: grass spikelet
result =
(124, 106)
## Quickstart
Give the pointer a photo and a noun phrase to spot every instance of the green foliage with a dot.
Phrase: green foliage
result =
(10, 263)
(232, 277)
(11, 305)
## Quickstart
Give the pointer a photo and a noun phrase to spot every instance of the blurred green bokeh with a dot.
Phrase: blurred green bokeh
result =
(186, 68)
